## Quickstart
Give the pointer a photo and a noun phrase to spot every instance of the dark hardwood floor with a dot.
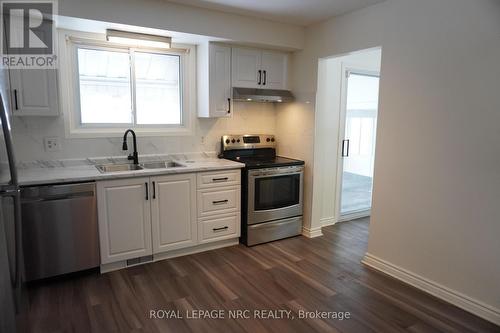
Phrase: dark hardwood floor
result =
(296, 274)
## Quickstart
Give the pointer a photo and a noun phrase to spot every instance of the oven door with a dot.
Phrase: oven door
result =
(275, 193)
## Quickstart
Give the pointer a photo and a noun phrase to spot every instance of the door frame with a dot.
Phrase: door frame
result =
(346, 71)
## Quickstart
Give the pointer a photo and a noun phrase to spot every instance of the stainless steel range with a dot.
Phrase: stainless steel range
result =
(272, 191)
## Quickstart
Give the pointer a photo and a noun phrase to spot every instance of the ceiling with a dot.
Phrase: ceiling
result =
(298, 12)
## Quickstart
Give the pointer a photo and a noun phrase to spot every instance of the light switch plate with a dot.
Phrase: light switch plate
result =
(52, 144)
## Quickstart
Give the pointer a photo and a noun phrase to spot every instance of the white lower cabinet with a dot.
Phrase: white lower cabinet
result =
(140, 217)
(219, 205)
(124, 215)
(173, 208)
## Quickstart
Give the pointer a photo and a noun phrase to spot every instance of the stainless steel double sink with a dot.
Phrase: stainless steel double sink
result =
(106, 168)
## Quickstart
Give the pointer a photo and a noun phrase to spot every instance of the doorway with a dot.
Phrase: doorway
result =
(345, 136)
(358, 123)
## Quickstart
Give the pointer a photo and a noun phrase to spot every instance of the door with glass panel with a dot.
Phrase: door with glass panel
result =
(357, 144)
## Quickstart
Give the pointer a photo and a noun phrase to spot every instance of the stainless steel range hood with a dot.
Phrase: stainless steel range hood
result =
(262, 95)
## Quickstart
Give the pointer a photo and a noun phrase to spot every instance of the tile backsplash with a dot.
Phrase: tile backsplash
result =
(29, 133)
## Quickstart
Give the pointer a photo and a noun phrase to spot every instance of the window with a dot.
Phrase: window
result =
(134, 87)
(113, 87)
(105, 87)
(158, 94)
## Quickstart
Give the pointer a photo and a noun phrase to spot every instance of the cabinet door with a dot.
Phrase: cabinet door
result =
(124, 213)
(274, 70)
(174, 212)
(220, 81)
(34, 92)
(246, 71)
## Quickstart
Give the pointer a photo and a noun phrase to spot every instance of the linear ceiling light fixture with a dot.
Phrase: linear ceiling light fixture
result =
(138, 39)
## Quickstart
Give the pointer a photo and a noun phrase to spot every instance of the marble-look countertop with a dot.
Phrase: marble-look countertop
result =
(66, 171)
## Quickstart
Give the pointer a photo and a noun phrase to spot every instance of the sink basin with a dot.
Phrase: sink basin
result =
(105, 168)
(161, 165)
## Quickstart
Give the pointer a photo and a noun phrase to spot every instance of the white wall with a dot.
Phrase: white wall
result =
(165, 15)
(28, 134)
(437, 176)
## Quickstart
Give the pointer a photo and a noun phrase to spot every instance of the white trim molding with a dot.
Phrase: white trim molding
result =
(312, 233)
(354, 216)
(456, 298)
(69, 41)
(327, 221)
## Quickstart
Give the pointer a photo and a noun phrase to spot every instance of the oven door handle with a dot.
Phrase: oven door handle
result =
(272, 174)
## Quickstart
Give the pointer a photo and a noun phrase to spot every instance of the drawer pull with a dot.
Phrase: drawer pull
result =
(225, 179)
(220, 229)
(220, 202)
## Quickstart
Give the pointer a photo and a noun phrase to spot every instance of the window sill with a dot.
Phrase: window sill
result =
(87, 133)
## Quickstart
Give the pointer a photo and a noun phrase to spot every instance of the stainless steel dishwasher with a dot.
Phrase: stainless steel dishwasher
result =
(59, 229)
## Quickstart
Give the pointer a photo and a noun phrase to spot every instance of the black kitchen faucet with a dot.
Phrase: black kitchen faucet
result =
(134, 156)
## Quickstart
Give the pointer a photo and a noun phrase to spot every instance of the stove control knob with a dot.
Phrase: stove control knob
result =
(268, 139)
(272, 140)
(238, 140)
(227, 141)
(233, 140)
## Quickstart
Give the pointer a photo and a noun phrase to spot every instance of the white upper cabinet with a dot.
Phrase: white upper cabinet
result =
(219, 68)
(246, 71)
(34, 92)
(274, 70)
(214, 81)
(259, 69)
(173, 208)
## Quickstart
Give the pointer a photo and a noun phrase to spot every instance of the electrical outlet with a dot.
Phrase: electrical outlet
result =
(52, 144)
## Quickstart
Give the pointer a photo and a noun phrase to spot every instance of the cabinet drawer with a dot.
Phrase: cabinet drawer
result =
(219, 228)
(219, 178)
(218, 201)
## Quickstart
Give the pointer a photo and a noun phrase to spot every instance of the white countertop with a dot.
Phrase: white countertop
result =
(88, 172)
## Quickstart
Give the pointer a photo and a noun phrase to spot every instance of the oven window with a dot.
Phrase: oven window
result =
(277, 192)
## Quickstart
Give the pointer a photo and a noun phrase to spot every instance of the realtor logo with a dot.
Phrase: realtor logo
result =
(28, 34)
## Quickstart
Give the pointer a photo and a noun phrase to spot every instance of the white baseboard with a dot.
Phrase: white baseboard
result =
(312, 233)
(355, 215)
(327, 221)
(456, 298)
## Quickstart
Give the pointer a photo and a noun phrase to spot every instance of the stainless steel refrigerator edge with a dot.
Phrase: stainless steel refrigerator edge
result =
(10, 229)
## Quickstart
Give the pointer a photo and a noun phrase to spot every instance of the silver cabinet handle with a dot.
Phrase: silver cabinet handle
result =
(9, 192)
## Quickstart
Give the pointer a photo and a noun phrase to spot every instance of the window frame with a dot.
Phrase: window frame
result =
(70, 87)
